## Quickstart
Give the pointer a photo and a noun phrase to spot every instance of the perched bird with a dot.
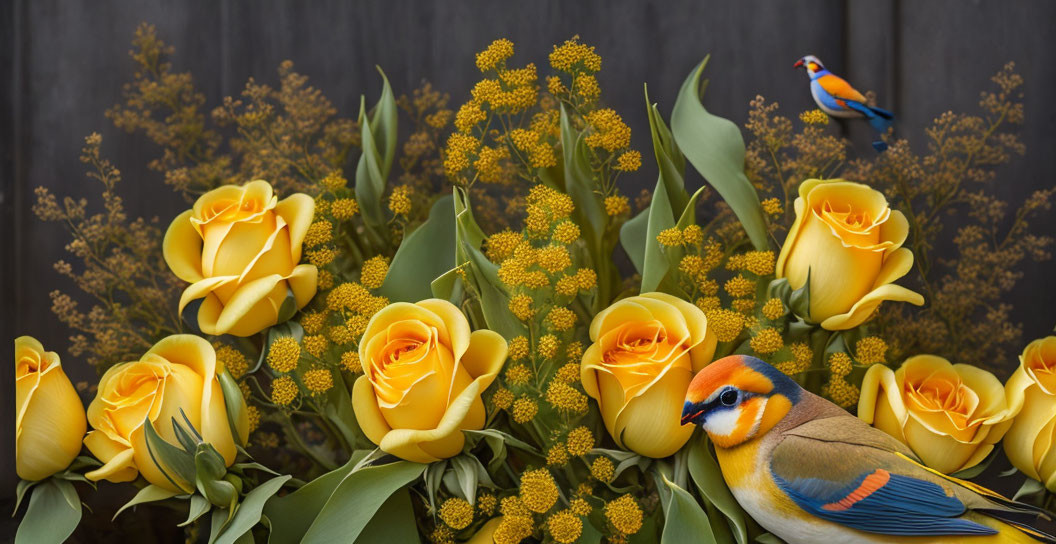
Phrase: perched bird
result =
(837, 98)
(809, 472)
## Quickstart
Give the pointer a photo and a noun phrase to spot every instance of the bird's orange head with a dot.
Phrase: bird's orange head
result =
(738, 398)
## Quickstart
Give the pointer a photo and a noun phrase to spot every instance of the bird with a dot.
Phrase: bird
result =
(808, 471)
(836, 97)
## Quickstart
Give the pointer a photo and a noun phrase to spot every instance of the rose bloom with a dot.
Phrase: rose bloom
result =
(645, 351)
(178, 373)
(951, 416)
(239, 247)
(49, 418)
(1032, 393)
(424, 373)
(850, 243)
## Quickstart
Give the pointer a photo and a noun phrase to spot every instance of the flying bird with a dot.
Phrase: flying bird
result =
(838, 98)
(810, 472)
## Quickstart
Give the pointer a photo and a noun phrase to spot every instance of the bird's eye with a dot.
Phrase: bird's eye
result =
(728, 397)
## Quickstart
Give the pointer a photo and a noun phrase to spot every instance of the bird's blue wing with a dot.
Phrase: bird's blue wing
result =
(841, 483)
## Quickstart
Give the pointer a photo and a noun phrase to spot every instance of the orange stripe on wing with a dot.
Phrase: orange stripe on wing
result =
(870, 484)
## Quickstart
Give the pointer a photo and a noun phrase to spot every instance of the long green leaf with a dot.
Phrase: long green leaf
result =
(707, 477)
(234, 404)
(580, 186)
(394, 523)
(423, 256)
(383, 125)
(249, 511)
(357, 498)
(174, 463)
(292, 514)
(684, 520)
(51, 516)
(715, 147)
(198, 507)
(655, 265)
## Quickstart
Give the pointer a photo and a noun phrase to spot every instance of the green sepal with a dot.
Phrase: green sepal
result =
(973, 471)
(174, 463)
(246, 515)
(53, 513)
(464, 475)
(715, 148)
(210, 478)
(150, 493)
(498, 441)
(198, 507)
(288, 307)
(799, 301)
(234, 404)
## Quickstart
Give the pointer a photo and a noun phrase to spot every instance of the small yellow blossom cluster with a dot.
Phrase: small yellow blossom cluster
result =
(283, 354)
(726, 324)
(456, 513)
(617, 205)
(602, 469)
(802, 357)
(400, 200)
(373, 273)
(624, 514)
(766, 341)
(283, 390)
(814, 117)
(760, 263)
(842, 392)
(318, 380)
(772, 206)
(870, 350)
(233, 360)
(580, 441)
(608, 131)
(546, 208)
(580, 64)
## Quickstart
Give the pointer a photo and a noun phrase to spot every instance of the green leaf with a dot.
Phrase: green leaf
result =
(715, 147)
(633, 238)
(493, 299)
(338, 409)
(233, 403)
(52, 514)
(249, 511)
(684, 520)
(581, 187)
(177, 465)
(393, 523)
(799, 300)
(383, 123)
(689, 212)
(443, 287)
(668, 157)
(151, 493)
(708, 478)
(768, 538)
(357, 498)
(1029, 487)
(292, 514)
(655, 265)
(424, 255)
(370, 176)
(20, 493)
(198, 507)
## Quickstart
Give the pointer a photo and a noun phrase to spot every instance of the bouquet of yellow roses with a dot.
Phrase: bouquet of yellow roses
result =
(471, 335)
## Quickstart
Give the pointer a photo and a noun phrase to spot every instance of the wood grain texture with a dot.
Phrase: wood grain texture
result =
(66, 61)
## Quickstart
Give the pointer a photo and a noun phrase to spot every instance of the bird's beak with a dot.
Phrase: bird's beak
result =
(689, 413)
(798, 64)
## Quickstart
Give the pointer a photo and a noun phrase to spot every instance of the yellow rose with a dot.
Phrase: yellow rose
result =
(951, 416)
(239, 248)
(486, 533)
(49, 422)
(1032, 394)
(645, 351)
(850, 242)
(178, 373)
(424, 373)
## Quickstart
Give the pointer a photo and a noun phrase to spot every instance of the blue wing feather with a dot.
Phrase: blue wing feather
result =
(902, 505)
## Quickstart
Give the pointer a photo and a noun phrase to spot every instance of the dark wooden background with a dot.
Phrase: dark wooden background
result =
(64, 63)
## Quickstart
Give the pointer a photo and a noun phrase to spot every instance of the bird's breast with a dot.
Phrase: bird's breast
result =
(828, 104)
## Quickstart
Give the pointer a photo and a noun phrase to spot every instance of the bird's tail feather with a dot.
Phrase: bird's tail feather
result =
(1021, 521)
(879, 118)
